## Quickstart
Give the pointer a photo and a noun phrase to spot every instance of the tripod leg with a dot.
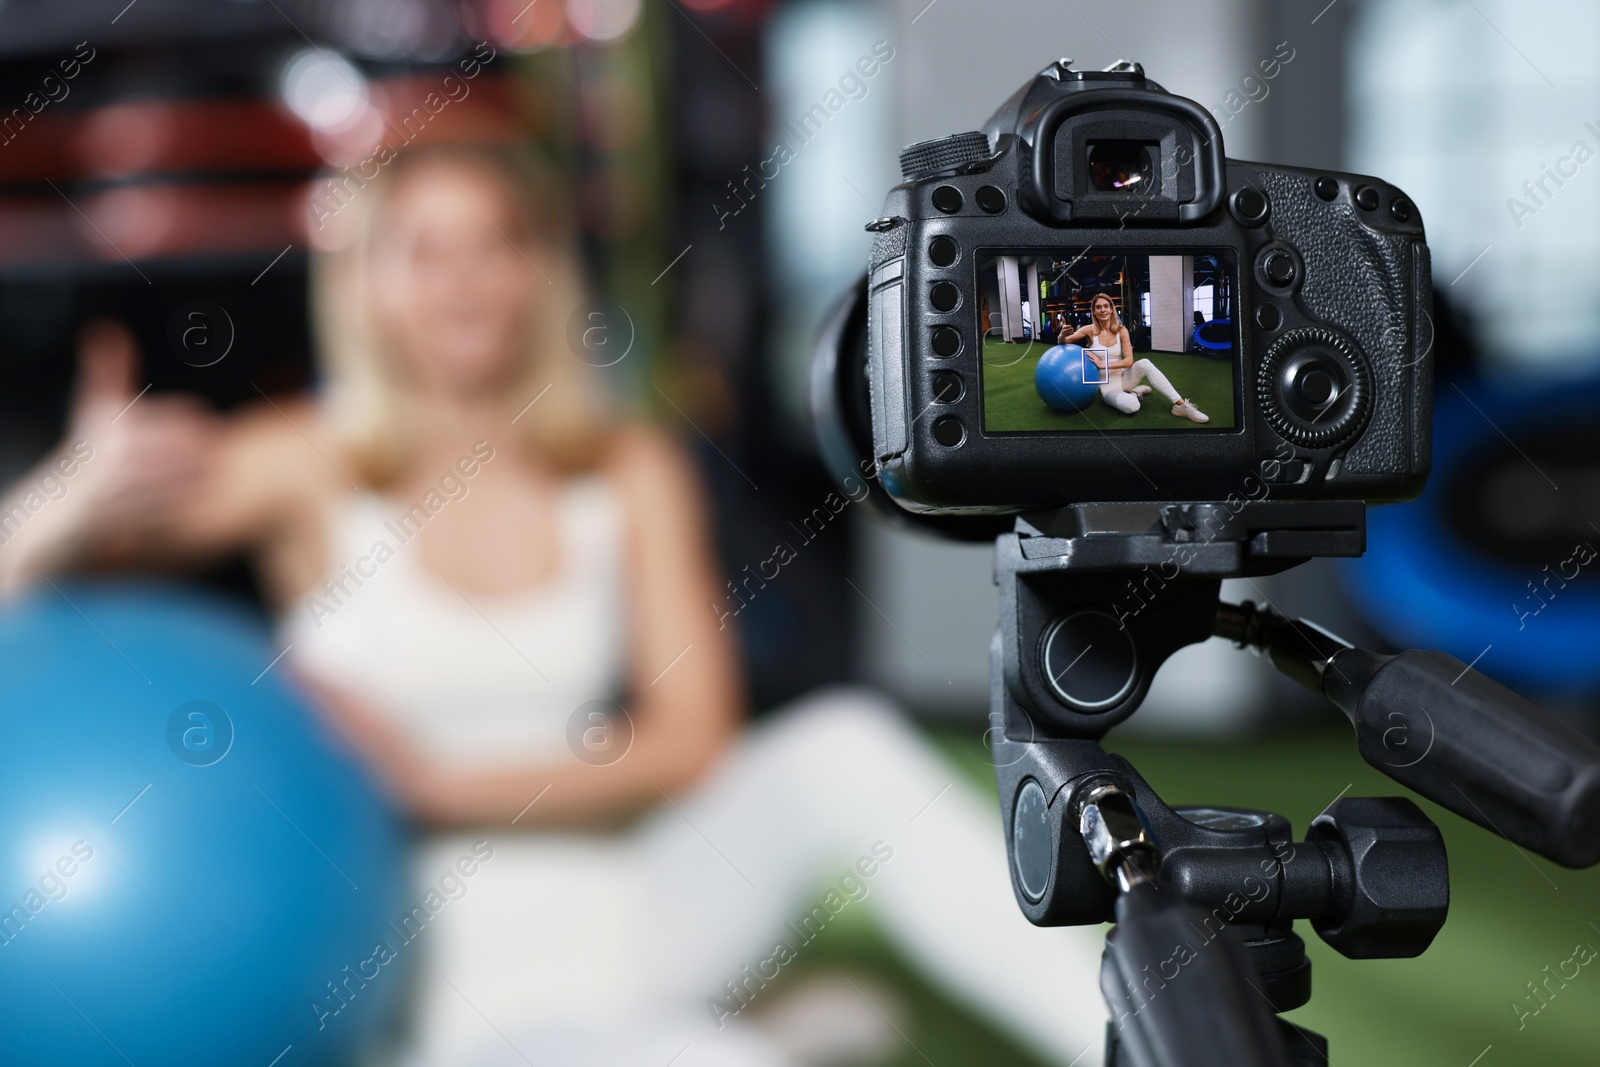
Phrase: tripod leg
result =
(1306, 1047)
(1177, 1003)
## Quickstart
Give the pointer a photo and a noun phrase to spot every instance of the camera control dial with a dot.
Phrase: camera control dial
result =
(944, 155)
(1314, 387)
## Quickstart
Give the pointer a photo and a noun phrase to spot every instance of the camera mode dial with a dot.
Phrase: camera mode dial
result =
(944, 155)
(1314, 387)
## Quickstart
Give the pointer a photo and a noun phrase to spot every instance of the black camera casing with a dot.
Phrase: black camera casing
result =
(1360, 292)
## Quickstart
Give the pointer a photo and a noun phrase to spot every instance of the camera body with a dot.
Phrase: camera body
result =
(1293, 305)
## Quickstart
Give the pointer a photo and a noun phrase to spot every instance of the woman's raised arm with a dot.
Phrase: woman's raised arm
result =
(137, 479)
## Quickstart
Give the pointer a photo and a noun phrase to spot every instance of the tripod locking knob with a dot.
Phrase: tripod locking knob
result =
(1119, 841)
(1391, 879)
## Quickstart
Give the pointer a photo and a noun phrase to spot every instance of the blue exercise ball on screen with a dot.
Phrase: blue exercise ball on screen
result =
(191, 872)
(1059, 379)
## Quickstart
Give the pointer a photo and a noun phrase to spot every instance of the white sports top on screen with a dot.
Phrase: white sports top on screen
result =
(1113, 350)
(472, 679)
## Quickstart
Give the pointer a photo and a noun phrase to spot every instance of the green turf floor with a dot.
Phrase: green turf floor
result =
(1011, 403)
(1511, 915)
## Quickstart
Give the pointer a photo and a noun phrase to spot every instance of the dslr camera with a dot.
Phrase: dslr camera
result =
(1279, 319)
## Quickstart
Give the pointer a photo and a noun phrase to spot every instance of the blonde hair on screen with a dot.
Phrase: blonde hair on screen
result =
(1116, 318)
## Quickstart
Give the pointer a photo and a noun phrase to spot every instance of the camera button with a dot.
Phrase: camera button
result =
(1283, 472)
(942, 251)
(1279, 268)
(1268, 317)
(945, 296)
(1250, 206)
(1326, 188)
(946, 341)
(1366, 198)
(947, 198)
(948, 431)
(1402, 210)
(991, 199)
(1316, 387)
(947, 387)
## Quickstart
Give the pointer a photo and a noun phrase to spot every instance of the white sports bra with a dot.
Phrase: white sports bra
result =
(471, 679)
(1113, 350)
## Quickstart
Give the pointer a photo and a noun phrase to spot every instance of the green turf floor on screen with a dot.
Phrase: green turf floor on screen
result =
(1010, 402)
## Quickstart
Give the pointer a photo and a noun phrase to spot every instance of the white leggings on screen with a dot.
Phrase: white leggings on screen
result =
(590, 949)
(1118, 392)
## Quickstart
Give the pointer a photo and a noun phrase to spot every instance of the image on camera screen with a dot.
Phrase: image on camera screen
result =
(1099, 341)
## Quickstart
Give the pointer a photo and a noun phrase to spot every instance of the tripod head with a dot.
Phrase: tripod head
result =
(1093, 599)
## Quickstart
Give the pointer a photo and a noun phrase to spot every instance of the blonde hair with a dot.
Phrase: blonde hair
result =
(1116, 319)
(361, 405)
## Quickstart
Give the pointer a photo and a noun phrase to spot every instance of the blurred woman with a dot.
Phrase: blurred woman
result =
(477, 565)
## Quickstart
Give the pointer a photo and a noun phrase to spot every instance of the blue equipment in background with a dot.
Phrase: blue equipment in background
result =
(191, 873)
(1500, 557)
(1214, 338)
(1059, 379)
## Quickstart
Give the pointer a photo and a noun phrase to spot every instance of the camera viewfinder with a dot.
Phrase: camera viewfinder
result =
(1122, 166)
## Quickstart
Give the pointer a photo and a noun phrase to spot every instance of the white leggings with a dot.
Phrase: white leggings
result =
(591, 949)
(1118, 392)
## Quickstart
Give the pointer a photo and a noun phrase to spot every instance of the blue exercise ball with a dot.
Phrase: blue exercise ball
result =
(194, 873)
(1059, 379)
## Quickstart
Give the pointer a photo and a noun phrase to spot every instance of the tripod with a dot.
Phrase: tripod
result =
(1093, 598)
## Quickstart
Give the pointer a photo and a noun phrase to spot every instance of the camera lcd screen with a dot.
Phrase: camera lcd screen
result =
(1096, 341)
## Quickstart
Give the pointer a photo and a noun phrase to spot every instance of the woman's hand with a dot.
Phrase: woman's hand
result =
(122, 474)
(435, 796)
(150, 455)
(412, 782)
(1098, 359)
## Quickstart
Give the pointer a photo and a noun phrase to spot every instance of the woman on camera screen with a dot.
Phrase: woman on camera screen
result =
(1126, 377)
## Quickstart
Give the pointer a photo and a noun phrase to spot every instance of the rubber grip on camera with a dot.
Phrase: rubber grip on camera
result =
(1465, 741)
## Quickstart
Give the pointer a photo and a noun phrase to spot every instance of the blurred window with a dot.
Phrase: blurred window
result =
(1487, 113)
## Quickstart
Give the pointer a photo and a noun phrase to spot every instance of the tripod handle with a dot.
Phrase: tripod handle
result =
(1178, 1000)
(1462, 740)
